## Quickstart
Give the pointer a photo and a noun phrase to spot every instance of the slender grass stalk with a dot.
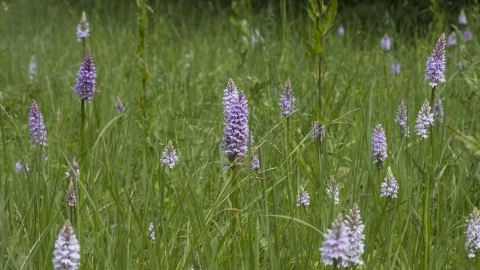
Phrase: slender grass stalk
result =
(319, 82)
(283, 10)
(142, 18)
(385, 79)
(4, 148)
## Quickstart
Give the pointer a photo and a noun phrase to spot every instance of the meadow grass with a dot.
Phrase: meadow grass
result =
(204, 216)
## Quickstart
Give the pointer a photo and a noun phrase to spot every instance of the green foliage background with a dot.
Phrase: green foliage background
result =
(191, 51)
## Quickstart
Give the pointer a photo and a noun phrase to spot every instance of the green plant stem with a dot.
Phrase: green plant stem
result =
(319, 82)
(82, 113)
(432, 101)
(141, 46)
(234, 198)
(82, 131)
(5, 188)
(323, 175)
(319, 184)
(82, 161)
(426, 210)
(283, 4)
(235, 207)
(287, 149)
(385, 102)
(379, 180)
(427, 186)
(433, 132)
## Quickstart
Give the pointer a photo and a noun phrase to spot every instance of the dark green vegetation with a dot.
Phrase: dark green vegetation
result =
(172, 90)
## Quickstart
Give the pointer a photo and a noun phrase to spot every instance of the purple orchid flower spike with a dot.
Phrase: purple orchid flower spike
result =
(85, 87)
(435, 70)
(38, 134)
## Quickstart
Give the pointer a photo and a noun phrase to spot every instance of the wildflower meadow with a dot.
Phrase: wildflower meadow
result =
(249, 134)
